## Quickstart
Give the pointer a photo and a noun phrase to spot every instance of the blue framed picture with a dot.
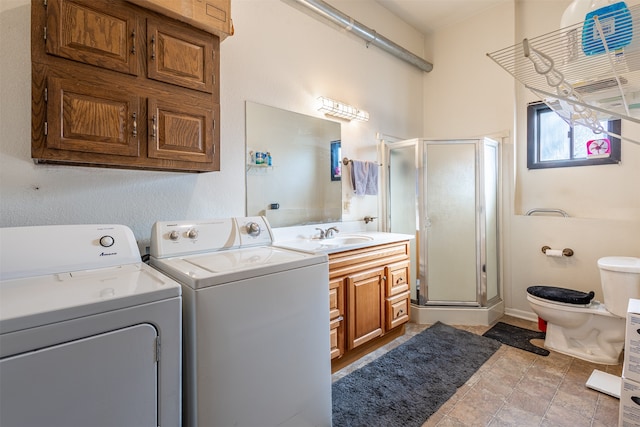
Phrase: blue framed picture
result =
(336, 166)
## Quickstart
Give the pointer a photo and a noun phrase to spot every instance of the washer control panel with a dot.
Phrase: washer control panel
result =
(174, 238)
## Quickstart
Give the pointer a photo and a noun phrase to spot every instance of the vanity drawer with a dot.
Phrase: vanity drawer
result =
(397, 278)
(397, 310)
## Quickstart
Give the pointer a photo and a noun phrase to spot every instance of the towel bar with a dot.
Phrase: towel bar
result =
(545, 210)
(346, 161)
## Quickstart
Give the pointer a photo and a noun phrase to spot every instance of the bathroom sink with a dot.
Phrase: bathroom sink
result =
(347, 240)
(333, 244)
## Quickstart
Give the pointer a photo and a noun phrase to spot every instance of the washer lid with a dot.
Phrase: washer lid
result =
(30, 302)
(214, 268)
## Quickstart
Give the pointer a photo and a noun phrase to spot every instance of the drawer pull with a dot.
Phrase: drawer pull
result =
(400, 313)
(153, 48)
(400, 280)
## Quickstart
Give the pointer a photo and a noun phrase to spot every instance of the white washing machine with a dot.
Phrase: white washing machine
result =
(256, 324)
(89, 335)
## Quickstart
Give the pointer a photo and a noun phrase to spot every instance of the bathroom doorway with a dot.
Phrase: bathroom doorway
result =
(446, 192)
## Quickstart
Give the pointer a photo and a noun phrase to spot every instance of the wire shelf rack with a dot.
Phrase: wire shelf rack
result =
(588, 72)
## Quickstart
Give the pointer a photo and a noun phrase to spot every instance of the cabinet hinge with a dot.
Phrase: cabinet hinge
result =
(44, 2)
(157, 349)
(45, 33)
(46, 128)
(46, 94)
(214, 124)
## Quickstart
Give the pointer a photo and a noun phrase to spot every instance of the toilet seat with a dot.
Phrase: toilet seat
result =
(561, 295)
(595, 307)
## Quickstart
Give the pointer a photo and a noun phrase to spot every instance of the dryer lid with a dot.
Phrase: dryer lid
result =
(35, 301)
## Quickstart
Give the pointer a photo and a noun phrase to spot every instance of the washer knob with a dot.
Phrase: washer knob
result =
(192, 234)
(106, 241)
(174, 235)
(253, 229)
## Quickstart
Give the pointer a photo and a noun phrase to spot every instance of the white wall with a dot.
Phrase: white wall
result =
(278, 56)
(472, 96)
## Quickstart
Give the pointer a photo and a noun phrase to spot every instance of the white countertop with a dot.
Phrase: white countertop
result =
(342, 242)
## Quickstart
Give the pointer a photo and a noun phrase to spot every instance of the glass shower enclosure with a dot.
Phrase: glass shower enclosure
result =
(446, 193)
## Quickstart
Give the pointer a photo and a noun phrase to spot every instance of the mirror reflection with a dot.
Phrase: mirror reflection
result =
(293, 167)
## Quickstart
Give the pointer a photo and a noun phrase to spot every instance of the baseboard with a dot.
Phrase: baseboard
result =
(521, 314)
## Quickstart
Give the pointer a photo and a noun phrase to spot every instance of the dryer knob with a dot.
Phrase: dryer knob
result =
(192, 234)
(106, 241)
(174, 235)
(253, 229)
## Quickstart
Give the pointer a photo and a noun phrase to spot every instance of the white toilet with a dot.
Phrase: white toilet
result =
(584, 328)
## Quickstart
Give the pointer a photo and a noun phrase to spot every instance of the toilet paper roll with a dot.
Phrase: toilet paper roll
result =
(553, 252)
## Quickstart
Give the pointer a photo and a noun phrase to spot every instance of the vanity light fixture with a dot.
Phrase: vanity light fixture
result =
(341, 110)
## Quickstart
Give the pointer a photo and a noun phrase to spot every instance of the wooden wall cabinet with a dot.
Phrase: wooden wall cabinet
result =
(369, 293)
(115, 85)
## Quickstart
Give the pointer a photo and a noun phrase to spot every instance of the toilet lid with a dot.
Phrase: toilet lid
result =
(567, 296)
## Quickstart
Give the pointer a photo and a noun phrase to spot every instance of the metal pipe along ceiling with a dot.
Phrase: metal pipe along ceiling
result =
(346, 22)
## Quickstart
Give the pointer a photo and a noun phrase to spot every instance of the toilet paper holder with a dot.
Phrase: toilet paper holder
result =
(565, 251)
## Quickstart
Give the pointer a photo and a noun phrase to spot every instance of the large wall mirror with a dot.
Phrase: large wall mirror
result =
(299, 181)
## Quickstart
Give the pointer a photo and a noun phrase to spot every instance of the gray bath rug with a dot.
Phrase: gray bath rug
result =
(405, 386)
(517, 337)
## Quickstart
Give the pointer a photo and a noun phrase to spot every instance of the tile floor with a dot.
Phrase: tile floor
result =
(518, 388)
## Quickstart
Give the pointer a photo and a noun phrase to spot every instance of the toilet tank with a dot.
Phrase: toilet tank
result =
(620, 279)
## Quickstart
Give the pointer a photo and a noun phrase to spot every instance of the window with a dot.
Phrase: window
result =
(552, 143)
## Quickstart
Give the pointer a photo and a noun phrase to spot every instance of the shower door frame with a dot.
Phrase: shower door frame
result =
(421, 258)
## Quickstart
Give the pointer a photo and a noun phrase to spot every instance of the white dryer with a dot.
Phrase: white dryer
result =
(89, 335)
(256, 324)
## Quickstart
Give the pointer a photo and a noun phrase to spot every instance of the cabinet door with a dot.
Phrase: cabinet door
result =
(91, 119)
(336, 316)
(181, 56)
(365, 300)
(94, 33)
(398, 310)
(397, 278)
(180, 131)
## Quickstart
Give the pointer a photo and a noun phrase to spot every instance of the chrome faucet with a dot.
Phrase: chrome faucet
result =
(328, 233)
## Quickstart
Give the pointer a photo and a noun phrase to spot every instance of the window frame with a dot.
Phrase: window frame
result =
(534, 109)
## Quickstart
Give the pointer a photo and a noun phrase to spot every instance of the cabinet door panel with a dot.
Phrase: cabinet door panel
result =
(91, 119)
(180, 131)
(366, 307)
(180, 56)
(86, 32)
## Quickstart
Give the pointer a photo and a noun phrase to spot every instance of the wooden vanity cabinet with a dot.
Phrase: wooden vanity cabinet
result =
(115, 85)
(375, 290)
